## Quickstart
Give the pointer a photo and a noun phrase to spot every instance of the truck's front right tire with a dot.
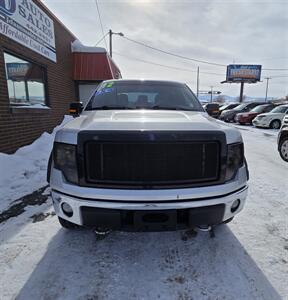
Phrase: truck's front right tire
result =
(66, 224)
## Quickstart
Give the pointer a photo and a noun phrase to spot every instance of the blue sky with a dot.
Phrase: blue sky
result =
(218, 31)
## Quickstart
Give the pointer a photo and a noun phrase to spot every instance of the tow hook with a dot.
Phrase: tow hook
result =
(207, 228)
(101, 232)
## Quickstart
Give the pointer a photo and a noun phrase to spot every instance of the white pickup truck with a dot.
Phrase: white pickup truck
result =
(144, 156)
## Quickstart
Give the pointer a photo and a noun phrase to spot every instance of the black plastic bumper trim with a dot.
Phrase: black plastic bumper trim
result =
(152, 220)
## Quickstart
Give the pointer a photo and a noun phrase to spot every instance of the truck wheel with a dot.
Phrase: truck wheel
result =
(275, 124)
(283, 148)
(227, 221)
(66, 224)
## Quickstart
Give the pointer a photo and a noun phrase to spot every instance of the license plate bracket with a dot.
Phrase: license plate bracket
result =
(155, 220)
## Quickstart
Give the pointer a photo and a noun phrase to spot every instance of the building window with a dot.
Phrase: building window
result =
(25, 80)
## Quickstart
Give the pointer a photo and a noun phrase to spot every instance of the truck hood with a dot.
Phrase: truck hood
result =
(144, 120)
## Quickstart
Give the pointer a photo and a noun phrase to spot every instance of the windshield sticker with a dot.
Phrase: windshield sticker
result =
(105, 90)
(110, 84)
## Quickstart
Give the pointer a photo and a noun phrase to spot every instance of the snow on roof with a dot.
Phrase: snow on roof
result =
(77, 46)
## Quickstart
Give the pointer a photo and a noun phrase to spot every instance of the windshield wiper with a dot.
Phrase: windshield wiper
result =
(108, 107)
(170, 108)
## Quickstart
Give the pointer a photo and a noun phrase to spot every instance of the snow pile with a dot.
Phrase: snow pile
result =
(77, 47)
(25, 171)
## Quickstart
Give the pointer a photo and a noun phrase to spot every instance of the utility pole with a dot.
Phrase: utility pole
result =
(211, 93)
(197, 82)
(110, 42)
(267, 78)
(110, 39)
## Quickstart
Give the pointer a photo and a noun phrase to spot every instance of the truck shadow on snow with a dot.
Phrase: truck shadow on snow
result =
(147, 266)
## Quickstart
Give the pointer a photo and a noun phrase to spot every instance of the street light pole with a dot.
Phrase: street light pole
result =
(110, 42)
(110, 39)
(267, 78)
(197, 82)
(211, 94)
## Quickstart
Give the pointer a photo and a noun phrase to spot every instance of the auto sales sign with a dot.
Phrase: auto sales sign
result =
(24, 22)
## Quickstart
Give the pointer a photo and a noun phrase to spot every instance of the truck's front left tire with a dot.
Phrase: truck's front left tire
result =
(283, 148)
(227, 221)
(66, 224)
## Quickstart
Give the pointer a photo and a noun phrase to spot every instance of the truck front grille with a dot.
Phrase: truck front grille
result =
(149, 164)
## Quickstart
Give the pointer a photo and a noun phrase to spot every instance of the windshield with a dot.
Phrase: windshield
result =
(258, 109)
(279, 109)
(143, 95)
(241, 106)
(224, 107)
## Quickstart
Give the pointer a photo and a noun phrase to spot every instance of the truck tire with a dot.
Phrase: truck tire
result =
(228, 221)
(283, 148)
(66, 224)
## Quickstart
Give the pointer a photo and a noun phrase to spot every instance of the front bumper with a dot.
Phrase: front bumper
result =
(227, 117)
(261, 123)
(149, 216)
(243, 119)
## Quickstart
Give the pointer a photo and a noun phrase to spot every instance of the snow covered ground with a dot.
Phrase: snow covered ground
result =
(248, 259)
(25, 171)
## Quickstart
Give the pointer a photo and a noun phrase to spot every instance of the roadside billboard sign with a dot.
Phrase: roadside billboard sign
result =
(243, 73)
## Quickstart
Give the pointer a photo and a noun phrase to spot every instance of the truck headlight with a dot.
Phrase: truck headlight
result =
(64, 156)
(235, 159)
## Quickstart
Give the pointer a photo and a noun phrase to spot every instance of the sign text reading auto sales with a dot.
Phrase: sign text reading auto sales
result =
(24, 22)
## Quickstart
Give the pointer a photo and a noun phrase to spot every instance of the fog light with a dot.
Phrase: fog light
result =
(235, 205)
(67, 209)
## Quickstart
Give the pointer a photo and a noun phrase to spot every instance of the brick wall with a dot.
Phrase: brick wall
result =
(19, 127)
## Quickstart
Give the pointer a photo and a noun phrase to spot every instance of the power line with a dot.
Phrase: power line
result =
(173, 54)
(275, 69)
(280, 76)
(102, 39)
(274, 58)
(189, 58)
(165, 66)
(275, 76)
(99, 15)
(178, 68)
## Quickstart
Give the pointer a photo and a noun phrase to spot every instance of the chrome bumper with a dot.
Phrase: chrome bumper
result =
(76, 203)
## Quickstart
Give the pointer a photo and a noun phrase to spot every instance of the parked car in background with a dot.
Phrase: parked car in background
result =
(283, 139)
(227, 106)
(230, 115)
(213, 109)
(273, 119)
(247, 117)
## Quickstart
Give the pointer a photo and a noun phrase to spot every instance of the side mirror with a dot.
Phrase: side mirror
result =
(75, 108)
